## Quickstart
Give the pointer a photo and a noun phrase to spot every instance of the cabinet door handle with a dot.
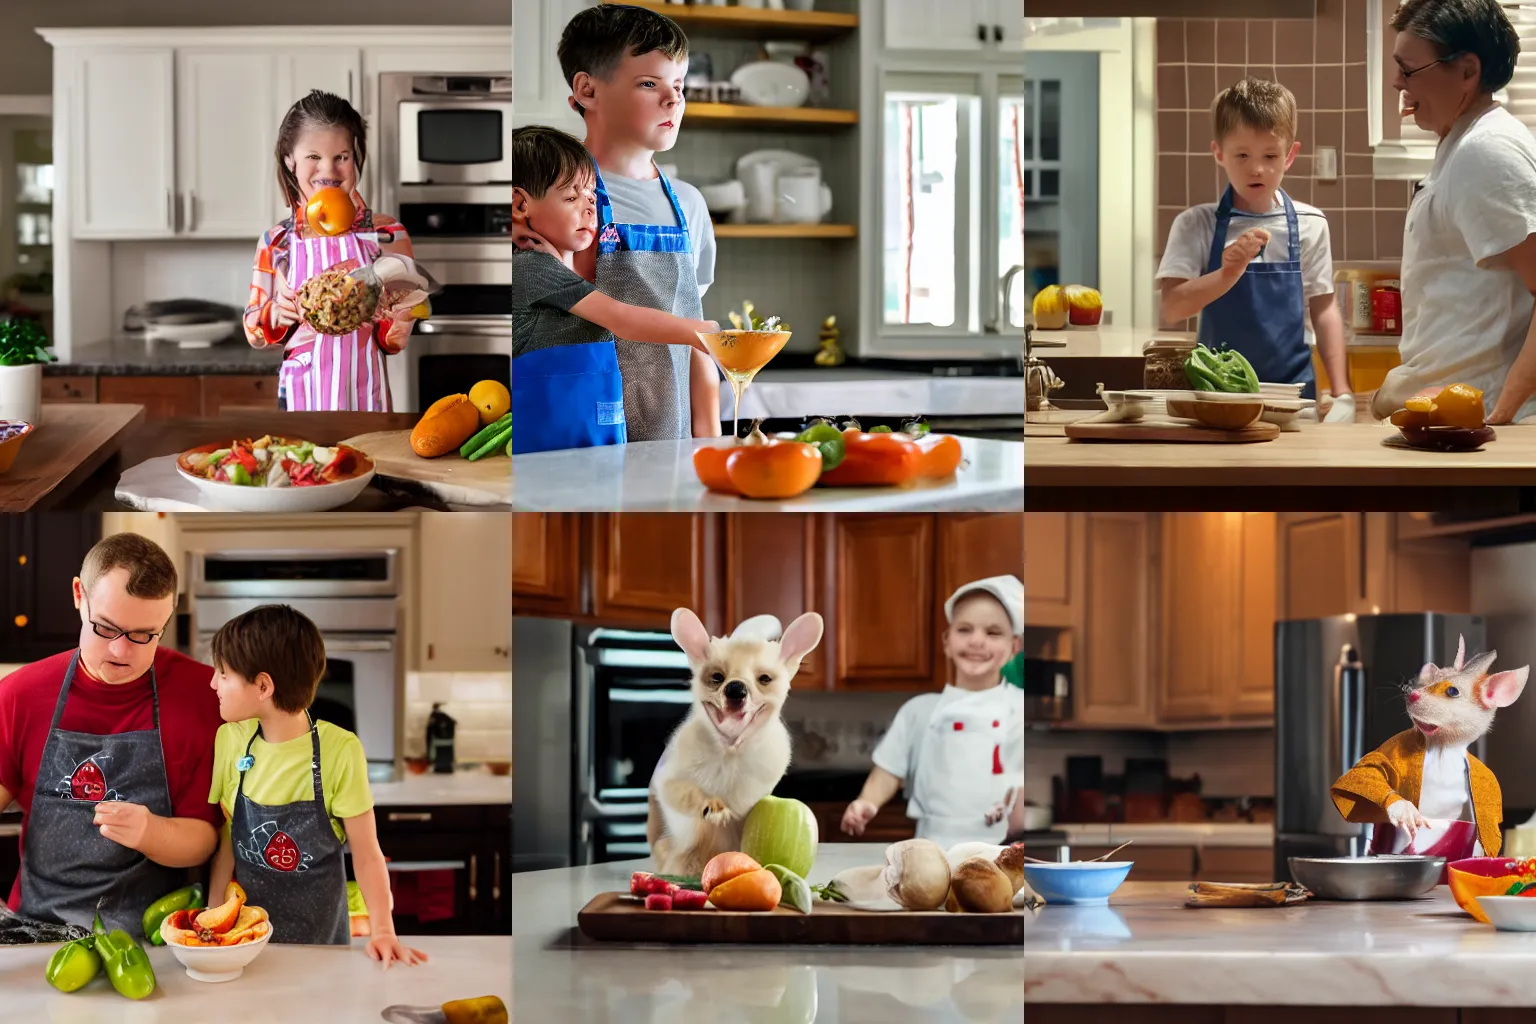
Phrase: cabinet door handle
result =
(981, 33)
(997, 33)
(473, 865)
(191, 211)
(350, 98)
(409, 816)
(496, 875)
(170, 211)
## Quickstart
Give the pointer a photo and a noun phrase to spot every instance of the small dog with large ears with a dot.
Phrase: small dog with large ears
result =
(733, 747)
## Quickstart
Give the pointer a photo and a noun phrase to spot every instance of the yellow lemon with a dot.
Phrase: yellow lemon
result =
(492, 399)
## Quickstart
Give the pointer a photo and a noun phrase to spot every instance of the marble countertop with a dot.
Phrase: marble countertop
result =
(462, 787)
(1239, 833)
(861, 391)
(658, 476)
(132, 356)
(283, 985)
(563, 976)
(1147, 947)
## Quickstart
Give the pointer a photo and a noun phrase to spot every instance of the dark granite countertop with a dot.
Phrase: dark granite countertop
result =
(132, 356)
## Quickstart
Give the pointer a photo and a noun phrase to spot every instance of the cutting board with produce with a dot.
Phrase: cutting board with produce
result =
(1170, 431)
(459, 451)
(922, 895)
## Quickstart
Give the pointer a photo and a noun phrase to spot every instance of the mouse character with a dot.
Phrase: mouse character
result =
(1425, 775)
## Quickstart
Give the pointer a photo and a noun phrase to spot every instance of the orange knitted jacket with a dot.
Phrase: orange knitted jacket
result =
(1395, 771)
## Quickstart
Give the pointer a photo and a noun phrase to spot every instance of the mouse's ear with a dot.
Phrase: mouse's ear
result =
(1461, 651)
(690, 635)
(1427, 673)
(800, 638)
(1501, 689)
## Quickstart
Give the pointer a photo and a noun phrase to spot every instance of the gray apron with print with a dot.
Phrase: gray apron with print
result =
(651, 265)
(289, 861)
(67, 865)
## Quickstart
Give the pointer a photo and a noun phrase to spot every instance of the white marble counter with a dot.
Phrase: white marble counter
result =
(843, 391)
(563, 976)
(462, 787)
(284, 985)
(1147, 947)
(658, 476)
(1170, 834)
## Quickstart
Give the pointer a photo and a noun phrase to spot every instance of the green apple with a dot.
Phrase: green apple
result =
(783, 832)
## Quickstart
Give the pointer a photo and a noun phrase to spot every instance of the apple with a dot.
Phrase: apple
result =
(330, 211)
(1084, 305)
(1050, 308)
(783, 832)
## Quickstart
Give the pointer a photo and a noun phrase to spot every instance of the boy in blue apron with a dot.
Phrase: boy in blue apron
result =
(567, 389)
(1254, 264)
(294, 790)
(656, 247)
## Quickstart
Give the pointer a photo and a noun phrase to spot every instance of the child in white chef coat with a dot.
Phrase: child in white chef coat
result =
(960, 753)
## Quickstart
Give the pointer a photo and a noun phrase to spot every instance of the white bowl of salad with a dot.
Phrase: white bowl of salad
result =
(275, 474)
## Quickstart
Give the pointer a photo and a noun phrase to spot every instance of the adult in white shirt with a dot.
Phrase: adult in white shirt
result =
(1469, 246)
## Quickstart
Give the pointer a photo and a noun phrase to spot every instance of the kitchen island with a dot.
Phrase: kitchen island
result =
(658, 476)
(1164, 962)
(1321, 468)
(561, 975)
(284, 985)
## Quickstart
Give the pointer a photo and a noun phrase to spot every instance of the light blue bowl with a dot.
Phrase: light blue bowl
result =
(1080, 884)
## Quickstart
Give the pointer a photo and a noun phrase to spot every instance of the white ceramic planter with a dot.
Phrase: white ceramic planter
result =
(21, 393)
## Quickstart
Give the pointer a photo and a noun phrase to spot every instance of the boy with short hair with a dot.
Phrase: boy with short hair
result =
(656, 246)
(567, 391)
(1255, 263)
(293, 790)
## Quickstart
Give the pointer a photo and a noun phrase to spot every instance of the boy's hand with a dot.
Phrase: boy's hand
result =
(124, 823)
(527, 239)
(857, 816)
(1236, 257)
(704, 326)
(387, 948)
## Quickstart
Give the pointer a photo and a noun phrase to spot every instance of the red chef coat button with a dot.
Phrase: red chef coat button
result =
(959, 726)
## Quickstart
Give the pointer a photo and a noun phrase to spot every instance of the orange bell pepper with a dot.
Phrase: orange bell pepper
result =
(709, 465)
(941, 456)
(878, 460)
(776, 469)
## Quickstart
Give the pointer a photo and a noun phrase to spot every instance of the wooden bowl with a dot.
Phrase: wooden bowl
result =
(1228, 415)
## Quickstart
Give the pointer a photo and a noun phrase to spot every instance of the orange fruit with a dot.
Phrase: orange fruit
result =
(779, 469)
(329, 211)
(754, 891)
(709, 466)
(941, 457)
(722, 867)
(1459, 405)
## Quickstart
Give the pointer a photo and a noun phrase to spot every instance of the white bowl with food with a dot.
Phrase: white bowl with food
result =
(215, 964)
(274, 474)
(1510, 913)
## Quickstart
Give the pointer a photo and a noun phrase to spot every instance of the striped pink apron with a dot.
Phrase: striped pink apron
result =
(324, 372)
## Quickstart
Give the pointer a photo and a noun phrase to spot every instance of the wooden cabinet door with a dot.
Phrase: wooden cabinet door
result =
(646, 564)
(465, 607)
(162, 397)
(122, 117)
(883, 635)
(224, 170)
(1049, 593)
(69, 389)
(971, 546)
(1252, 688)
(252, 391)
(773, 566)
(40, 618)
(1112, 666)
(1201, 552)
(546, 564)
(1320, 556)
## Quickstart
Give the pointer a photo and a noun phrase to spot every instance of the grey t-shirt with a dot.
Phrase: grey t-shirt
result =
(644, 201)
(543, 292)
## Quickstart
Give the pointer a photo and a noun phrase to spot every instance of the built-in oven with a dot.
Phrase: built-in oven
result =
(452, 129)
(468, 337)
(632, 692)
(353, 599)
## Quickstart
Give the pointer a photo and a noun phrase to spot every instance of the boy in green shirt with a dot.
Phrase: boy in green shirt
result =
(293, 790)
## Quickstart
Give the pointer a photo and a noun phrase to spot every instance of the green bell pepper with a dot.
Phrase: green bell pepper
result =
(188, 898)
(73, 965)
(827, 438)
(128, 966)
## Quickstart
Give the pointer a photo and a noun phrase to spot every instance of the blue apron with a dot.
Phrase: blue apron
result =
(651, 265)
(569, 396)
(1263, 314)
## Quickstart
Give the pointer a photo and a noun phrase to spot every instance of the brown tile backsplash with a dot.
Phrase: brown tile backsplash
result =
(1322, 62)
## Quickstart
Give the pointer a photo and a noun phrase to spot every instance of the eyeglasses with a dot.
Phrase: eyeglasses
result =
(137, 636)
(1409, 74)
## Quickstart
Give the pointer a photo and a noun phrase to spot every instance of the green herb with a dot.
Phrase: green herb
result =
(23, 343)
(748, 320)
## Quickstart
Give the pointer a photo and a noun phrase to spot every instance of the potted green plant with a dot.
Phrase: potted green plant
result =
(23, 351)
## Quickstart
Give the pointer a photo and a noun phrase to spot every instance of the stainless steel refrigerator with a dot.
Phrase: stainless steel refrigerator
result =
(544, 734)
(1338, 695)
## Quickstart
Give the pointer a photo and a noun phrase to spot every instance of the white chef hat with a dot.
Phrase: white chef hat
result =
(1007, 589)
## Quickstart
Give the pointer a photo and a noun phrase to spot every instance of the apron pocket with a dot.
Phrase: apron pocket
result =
(567, 397)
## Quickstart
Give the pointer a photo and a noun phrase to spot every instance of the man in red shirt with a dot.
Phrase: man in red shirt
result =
(109, 750)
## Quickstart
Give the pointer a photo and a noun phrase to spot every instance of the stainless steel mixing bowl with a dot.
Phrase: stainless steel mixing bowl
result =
(1367, 878)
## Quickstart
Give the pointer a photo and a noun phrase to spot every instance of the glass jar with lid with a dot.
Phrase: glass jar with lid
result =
(1164, 366)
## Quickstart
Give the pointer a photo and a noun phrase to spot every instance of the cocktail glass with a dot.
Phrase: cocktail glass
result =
(740, 354)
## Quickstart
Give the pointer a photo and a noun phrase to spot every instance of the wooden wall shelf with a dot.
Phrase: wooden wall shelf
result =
(752, 22)
(786, 231)
(733, 115)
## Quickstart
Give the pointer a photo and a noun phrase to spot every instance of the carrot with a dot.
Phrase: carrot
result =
(755, 890)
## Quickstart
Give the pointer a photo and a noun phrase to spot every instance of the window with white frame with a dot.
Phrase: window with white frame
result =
(1519, 96)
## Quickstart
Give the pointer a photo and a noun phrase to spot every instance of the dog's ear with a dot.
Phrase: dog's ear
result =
(690, 635)
(800, 638)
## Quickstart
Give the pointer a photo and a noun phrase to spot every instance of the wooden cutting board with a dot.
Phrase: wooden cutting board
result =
(452, 479)
(1165, 431)
(618, 917)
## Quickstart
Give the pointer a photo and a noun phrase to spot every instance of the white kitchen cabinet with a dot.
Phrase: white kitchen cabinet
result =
(1007, 21)
(926, 25)
(539, 88)
(225, 176)
(464, 594)
(124, 175)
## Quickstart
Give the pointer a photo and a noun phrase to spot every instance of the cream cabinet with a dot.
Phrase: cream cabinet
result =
(464, 595)
(119, 110)
(336, 70)
(539, 88)
(225, 169)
